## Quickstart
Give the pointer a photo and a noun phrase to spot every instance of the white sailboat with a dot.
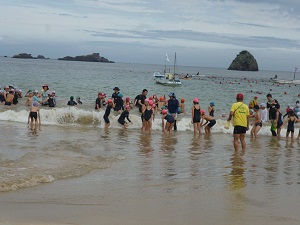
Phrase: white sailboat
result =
(169, 78)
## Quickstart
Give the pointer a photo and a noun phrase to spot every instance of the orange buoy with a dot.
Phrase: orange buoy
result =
(285, 92)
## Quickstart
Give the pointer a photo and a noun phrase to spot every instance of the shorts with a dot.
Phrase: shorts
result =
(239, 130)
(106, 120)
(33, 115)
(7, 103)
(211, 123)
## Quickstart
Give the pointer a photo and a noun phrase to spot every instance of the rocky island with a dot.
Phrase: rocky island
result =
(95, 57)
(244, 61)
(28, 56)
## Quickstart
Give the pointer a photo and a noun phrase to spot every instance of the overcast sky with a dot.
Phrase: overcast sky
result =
(206, 33)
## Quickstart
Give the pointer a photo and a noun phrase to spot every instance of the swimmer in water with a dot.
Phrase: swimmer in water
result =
(148, 116)
(291, 125)
(125, 115)
(110, 105)
(196, 116)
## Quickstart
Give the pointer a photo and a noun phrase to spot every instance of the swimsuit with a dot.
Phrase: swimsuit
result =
(7, 103)
(33, 115)
(106, 114)
(279, 122)
(211, 123)
(122, 117)
(147, 114)
(290, 127)
(197, 116)
(212, 112)
(169, 118)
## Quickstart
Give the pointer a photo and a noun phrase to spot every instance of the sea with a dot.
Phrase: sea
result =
(73, 171)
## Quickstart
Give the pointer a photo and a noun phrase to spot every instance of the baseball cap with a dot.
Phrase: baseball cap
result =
(263, 104)
(116, 89)
(255, 96)
(171, 94)
(240, 96)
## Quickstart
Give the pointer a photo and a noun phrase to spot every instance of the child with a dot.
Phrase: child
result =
(148, 116)
(170, 122)
(29, 99)
(125, 114)
(278, 121)
(51, 99)
(78, 100)
(211, 109)
(110, 105)
(263, 113)
(210, 121)
(196, 116)
(291, 122)
(34, 114)
(72, 102)
(9, 98)
(128, 102)
(182, 105)
(161, 103)
(99, 101)
(257, 124)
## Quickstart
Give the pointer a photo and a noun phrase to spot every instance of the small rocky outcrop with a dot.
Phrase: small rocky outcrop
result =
(23, 56)
(95, 57)
(244, 61)
(40, 57)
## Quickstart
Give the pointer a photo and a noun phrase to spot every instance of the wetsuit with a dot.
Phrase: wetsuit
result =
(122, 117)
(290, 127)
(106, 114)
(147, 114)
(15, 100)
(33, 115)
(72, 103)
(118, 102)
(51, 102)
(2, 99)
(169, 118)
(197, 117)
(98, 102)
(142, 98)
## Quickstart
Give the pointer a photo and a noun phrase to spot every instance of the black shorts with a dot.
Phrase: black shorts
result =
(211, 123)
(239, 130)
(7, 103)
(33, 115)
(106, 120)
(258, 124)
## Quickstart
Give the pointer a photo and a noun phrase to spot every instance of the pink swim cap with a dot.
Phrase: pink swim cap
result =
(164, 111)
(147, 100)
(202, 111)
(150, 102)
(196, 100)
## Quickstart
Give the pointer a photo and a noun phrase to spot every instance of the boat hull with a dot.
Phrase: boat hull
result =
(168, 82)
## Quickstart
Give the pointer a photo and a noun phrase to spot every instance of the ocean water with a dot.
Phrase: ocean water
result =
(73, 147)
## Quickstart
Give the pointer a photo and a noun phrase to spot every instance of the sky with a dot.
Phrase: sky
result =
(204, 33)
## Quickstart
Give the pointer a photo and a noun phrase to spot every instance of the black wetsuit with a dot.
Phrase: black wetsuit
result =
(2, 99)
(72, 103)
(98, 102)
(106, 114)
(122, 117)
(142, 98)
(147, 114)
(197, 116)
(118, 102)
(51, 102)
(15, 100)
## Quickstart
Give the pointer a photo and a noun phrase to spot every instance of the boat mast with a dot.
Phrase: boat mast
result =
(174, 65)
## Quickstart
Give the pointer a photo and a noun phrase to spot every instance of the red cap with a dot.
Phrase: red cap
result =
(240, 96)
(127, 99)
(255, 96)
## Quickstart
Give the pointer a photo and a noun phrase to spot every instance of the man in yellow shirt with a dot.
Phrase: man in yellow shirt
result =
(240, 113)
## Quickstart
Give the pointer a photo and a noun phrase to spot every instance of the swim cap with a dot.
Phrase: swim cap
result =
(182, 100)
(151, 97)
(164, 111)
(147, 100)
(35, 103)
(163, 107)
(127, 99)
(212, 103)
(72, 97)
(196, 100)
(109, 101)
(161, 99)
(202, 111)
(150, 102)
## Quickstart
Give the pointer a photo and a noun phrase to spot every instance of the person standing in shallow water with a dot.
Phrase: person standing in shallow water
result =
(173, 105)
(240, 113)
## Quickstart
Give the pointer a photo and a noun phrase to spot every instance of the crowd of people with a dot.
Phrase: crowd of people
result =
(169, 110)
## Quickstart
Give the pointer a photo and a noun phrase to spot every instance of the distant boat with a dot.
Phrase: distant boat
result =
(169, 78)
(294, 81)
(158, 75)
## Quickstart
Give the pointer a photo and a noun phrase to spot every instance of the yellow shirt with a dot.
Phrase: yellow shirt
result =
(253, 103)
(241, 113)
